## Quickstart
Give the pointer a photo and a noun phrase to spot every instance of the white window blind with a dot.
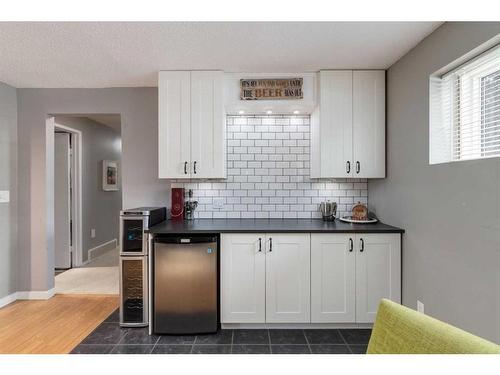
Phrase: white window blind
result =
(465, 111)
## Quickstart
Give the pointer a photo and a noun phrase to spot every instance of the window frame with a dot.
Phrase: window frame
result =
(449, 123)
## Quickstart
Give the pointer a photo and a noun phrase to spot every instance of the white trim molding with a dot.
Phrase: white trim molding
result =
(4, 301)
(77, 187)
(37, 294)
(27, 295)
(101, 249)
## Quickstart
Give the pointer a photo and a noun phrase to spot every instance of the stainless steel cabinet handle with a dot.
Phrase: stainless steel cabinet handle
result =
(348, 167)
(185, 167)
(362, 245)
(358, 167)
(351, 245)
(260, 244)
(194, 167)
(270, 244)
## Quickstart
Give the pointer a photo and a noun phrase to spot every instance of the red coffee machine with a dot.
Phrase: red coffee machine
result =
(177, 211)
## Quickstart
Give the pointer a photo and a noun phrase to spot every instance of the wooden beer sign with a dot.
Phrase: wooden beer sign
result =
(271, 89)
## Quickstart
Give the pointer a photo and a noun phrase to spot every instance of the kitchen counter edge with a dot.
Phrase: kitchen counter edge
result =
(267, 226)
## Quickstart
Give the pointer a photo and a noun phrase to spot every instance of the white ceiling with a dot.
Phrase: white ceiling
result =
(113, 121)
(128, 54)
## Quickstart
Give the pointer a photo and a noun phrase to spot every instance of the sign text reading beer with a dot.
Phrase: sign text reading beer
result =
(271, 89)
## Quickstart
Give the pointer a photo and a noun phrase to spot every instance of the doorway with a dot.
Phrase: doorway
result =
(67, 197)
(86, 209)
(63, 200)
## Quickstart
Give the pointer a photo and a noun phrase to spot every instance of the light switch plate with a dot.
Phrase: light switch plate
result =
(92, 233)
(4, 196)
(218, 203)
(420, 307)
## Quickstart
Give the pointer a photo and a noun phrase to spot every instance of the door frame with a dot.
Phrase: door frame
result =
(76, 186)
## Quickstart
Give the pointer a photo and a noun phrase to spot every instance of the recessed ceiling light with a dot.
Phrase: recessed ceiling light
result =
(269, 112)
(241, 112)
(296, 112)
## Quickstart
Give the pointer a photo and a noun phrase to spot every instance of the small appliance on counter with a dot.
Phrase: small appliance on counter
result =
(328, 210)
(185, 284)
(134, 263)
(177, 210)
(190, 206)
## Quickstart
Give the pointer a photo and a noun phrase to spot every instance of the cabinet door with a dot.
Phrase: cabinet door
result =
(369, 124)
(288, 278)
(207, 125)
(174, 124)
(378, 273)
(242, 278)
(333, 278)
(335, 124)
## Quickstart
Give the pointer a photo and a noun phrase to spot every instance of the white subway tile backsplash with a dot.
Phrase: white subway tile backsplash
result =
(268, 174)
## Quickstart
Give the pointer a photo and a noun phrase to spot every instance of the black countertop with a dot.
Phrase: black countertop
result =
(267, 226)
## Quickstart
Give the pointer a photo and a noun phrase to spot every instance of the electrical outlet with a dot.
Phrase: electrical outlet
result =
(420, 307)
(4, 196)
(218, 203)
(92, 233)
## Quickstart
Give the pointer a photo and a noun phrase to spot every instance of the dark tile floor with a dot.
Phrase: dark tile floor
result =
(109, 338)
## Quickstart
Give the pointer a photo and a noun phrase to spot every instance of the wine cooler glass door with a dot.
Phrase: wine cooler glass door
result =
(133, 291)
(132, 236)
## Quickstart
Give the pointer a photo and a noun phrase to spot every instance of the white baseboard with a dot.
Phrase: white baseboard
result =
(101, 249)
(34, 295)
(294, 325)
(4, 301)
(42, 294)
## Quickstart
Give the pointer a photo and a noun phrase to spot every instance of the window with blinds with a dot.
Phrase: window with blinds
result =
(465, 111)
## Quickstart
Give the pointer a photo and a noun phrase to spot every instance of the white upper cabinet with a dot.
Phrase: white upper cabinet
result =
(348, 127)
(331, 126)
(191, 125)
(368, 123)
(208, 151)
(174, 124)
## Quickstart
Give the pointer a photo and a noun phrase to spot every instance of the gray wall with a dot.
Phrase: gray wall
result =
(100, 209)
(8, 181)
(138, 108)
(451, 212)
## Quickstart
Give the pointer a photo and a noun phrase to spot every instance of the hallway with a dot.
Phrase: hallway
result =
(100, 276)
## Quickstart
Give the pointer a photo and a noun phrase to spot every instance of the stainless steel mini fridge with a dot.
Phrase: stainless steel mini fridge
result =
(185, 290)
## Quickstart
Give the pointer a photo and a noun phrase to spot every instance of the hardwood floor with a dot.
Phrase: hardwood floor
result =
(52, 326)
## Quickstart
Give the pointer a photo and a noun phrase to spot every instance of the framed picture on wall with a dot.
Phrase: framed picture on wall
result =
(109, 175)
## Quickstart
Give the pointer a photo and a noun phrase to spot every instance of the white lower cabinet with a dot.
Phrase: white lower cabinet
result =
(351, 273)
(265, 278)
(378, 273)
(288, 278)
(308, 278)
(333, 278)
(243, 278)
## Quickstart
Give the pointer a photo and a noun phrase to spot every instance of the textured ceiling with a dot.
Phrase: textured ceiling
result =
(118, 54)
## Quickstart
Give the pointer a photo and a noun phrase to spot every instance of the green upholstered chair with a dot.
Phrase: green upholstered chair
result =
(400, 330)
